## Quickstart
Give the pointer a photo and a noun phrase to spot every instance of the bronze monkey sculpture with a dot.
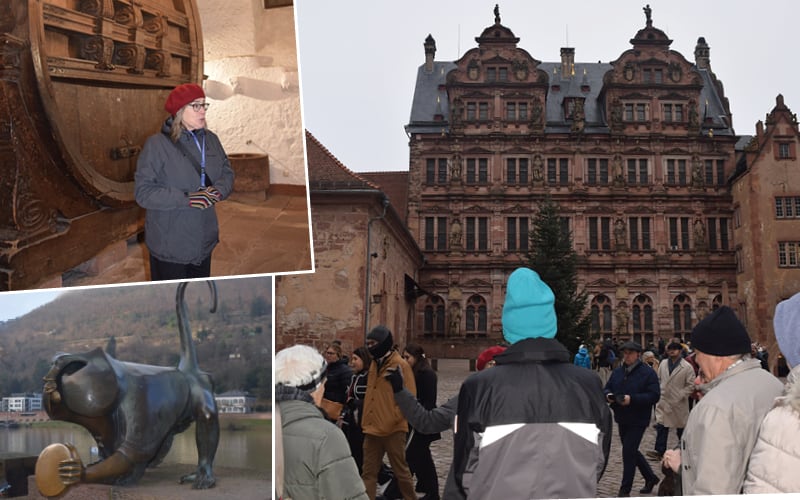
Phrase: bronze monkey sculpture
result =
(134, 410)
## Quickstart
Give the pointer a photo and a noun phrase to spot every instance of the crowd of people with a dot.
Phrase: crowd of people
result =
(535, 421)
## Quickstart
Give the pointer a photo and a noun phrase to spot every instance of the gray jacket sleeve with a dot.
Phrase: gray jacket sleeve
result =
(426, 421)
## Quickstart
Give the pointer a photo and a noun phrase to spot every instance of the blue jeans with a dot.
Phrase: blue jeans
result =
(662, 433)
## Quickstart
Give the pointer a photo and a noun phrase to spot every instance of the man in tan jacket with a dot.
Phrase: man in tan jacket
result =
(383, 424)
(676, 377)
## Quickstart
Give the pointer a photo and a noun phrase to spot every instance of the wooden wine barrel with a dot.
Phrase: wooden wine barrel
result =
(82, 86)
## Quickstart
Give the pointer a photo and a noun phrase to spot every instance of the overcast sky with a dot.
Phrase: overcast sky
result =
(15, 304)
(359, 59)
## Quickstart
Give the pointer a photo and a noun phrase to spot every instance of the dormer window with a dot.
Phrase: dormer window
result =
(497, 74)
(653, 75)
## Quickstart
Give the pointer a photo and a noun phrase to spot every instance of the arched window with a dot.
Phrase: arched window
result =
(682, 316)
(601, 316)
(476, 322)
(434, 317)
(642, 317)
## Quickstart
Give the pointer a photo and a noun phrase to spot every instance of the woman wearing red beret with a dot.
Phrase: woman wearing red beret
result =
(181, 173)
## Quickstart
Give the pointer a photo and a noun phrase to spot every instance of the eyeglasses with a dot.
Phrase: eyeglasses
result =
(198, 106)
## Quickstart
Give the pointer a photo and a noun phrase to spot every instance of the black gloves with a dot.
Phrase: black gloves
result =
(395, 377)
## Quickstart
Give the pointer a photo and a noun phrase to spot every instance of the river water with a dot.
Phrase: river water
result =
(240, 449)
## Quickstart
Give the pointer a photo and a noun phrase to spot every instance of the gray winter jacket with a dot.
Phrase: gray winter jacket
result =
(316, 457)
(174, 231)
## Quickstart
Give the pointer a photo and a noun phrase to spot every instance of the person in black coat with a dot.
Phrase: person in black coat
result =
(350, 421)
(632, 390)
(339, 375)
(418, 451)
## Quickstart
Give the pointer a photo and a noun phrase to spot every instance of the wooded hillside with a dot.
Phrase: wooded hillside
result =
(234, 344)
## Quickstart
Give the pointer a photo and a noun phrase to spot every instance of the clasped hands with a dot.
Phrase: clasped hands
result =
(204, 198)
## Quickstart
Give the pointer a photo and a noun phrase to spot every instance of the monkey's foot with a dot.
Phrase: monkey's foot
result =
(201, 480)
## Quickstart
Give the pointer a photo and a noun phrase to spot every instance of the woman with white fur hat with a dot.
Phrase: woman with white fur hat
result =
(775, 459)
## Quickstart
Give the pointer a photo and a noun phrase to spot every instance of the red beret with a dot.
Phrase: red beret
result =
(181, 96)
(488, 355)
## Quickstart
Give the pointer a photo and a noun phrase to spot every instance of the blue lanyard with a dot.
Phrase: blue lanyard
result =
(202, 150)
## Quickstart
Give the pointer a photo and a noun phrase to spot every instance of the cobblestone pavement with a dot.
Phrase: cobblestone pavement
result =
(452, 371)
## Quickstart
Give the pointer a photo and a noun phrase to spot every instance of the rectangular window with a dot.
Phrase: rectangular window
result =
(477, 233)
(516, 171)
(672, 113)
(640, 113)
(678, 233)
(472, 110)
(676, 172)
(787, 207)
(477, 170)
(597, 174)
(599, 233)
(517, 234)
(788, 254)
(435, 233)
(639, 233)
(436, 171)
(483, 111)
(558, 171)
(637, 171)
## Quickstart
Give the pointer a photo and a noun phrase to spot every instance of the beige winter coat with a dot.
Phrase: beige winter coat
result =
(775, 463)
(722, 429)
(672, 410)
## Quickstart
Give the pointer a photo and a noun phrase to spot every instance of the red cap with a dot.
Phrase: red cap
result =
(488, 355)
(181, 96)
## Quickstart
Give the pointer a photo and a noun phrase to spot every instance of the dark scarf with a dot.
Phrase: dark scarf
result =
(289, 393)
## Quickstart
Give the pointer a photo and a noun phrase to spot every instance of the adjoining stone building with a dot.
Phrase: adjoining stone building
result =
(366, 263)
(766, 221)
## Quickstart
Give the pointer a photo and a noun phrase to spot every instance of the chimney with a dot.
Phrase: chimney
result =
(567, 62)
(430, 51)
(702, 54)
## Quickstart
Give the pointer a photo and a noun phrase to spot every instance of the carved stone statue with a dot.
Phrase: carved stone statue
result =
(619, 233)
(538, 165)
(697, 172)
(455, 234)
(621, 319)
(133, 410)
(455, 167)
(455, 319)
(699, 233)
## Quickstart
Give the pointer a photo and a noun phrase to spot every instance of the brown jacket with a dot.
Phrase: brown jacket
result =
(382, 416)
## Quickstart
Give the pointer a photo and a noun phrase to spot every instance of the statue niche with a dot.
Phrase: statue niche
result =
(132, 410)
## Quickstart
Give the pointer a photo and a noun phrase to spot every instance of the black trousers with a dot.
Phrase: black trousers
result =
(161, 270)
(420, 461)
(632, 458)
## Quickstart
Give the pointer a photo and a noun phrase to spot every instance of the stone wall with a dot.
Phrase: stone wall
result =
(250, 64)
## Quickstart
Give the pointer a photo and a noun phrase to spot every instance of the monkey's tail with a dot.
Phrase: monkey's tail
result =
(188, 362)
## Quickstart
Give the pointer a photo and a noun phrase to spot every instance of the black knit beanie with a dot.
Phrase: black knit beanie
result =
(383, 337)
(721, 334)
